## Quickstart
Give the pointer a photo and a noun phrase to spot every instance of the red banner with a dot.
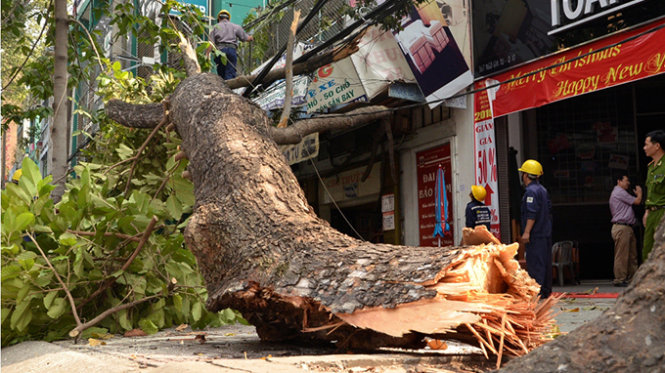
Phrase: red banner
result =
(428, 162)
(635, 59)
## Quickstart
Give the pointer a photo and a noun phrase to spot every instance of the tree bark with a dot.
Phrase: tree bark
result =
(262, 250)
(59, 142)
(629, 337)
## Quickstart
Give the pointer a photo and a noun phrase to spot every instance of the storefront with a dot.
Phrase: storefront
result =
(582, 112)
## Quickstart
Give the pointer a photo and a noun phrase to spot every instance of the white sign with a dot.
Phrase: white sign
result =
(387, 202)
(273, 97)
(307, 148)
(389, 221)
(334, 84)
(486, 163)
(582, 11)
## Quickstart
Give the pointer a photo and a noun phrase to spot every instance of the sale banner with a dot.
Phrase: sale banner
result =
(428, 162)
(485, 152)
(618, 59)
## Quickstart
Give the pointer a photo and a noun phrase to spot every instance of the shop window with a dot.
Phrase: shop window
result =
(584, 142)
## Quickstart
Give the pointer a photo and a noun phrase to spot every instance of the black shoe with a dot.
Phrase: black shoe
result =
(622, 284)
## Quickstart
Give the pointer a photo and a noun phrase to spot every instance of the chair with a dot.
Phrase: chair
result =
(562, 257)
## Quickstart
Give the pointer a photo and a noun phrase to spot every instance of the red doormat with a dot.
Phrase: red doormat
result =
(586, 295)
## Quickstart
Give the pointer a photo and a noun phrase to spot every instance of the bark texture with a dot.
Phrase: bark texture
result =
(629, 337)
(262, 250)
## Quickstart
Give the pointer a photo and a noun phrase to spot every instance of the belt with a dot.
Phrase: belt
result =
(630, 225)
(226, 45)
(654, 208)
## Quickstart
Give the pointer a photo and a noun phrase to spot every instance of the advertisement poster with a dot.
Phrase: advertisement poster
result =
(379, 61)
(427, 163)
(485, 153)
(334, 84)
(432, 53)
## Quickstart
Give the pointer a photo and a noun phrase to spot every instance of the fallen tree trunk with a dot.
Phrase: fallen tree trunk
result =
(262, 250)
(629, 337)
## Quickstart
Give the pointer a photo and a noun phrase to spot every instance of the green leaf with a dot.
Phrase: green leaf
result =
(5, 313)
(11, 271)
(123, 320)
(19, 313)
(197, 311)
(23, 220)
(30, 178)
(48, 299)
(124, 151)
(228, 316)
(148, 326)
(58, 308)
(88, 333)
(67, 239)
(174, 207)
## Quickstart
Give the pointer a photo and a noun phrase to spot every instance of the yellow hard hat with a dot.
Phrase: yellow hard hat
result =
(17, 174)
(532, 167)
(223, 11)
(478, 192)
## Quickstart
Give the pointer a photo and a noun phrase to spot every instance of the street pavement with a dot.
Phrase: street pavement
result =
(237, 348)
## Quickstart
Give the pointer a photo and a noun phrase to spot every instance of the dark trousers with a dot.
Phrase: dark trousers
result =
(539, 263)
(227, 71)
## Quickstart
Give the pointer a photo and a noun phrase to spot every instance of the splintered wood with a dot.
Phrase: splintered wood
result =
(484, 297)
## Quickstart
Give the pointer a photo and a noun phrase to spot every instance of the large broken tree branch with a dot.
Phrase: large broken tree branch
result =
(134, 115)
(295, 133)
(263, 251)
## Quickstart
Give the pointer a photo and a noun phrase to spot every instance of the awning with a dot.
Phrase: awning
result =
(621, 58)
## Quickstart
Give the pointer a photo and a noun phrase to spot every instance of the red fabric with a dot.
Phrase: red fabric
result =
(636, 59)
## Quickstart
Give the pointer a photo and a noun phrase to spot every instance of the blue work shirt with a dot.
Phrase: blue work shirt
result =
(536, 205)
(477, 213)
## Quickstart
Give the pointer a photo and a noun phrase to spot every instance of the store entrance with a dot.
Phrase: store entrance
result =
(365, 219)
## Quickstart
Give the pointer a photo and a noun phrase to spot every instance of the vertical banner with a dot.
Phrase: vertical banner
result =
(485, 153)
(427, 163)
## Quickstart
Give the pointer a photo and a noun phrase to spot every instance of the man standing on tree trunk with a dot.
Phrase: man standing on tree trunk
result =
(537, 226)
(655, 184)
(623, 220)
(225, 37)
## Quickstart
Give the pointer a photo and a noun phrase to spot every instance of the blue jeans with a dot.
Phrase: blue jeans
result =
(227, 71)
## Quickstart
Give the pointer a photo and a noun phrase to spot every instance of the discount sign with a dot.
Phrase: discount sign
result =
(485, 153)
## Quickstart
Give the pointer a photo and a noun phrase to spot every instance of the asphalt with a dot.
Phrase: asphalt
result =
(237, 348)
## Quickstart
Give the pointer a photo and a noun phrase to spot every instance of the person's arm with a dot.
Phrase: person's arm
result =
(638, 194)
(526, 236)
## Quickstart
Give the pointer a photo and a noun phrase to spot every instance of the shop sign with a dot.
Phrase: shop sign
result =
(334, 84)
(427, 163)
(583, 11)
(433, 54)
(349, 185)
(485, 153)
(273, 97)
(587, 69)
(388, 211)
(306, 149)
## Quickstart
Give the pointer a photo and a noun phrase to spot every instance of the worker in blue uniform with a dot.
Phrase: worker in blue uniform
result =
(537, 226)
(476, 211)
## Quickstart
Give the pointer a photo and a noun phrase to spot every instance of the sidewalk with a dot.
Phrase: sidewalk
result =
(237, 348)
